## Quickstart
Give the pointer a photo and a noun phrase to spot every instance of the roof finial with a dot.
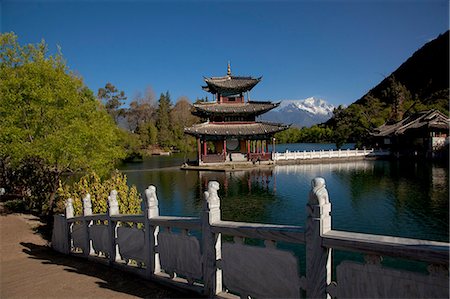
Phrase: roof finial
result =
(229, 69)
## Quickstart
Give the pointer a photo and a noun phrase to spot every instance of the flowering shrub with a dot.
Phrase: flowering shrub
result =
(128, 197)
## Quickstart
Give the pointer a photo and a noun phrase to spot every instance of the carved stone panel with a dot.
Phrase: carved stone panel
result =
(99, 237)
(59, 234)
(356, 280)
(180, 254)
(260, 272)
(131, 243)
(78, 235)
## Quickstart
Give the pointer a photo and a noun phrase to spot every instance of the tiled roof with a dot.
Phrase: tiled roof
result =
(432, 119)
(255, 108)
(235, 129)
(229, 85)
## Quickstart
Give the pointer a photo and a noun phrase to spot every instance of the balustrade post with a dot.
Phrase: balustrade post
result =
(153, 265)
(113, 209)
(211, 242)
(70, 213)
(87, 211)
(318, 258)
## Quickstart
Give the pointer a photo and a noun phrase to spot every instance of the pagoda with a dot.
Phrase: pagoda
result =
(230, 132)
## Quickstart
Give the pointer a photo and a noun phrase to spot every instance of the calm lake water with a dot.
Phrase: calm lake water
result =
(398, 198)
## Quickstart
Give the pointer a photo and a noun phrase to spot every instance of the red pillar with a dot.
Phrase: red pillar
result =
(248, 149)
(199, 149)
(273, 145)
(205, 151)
(225, 147)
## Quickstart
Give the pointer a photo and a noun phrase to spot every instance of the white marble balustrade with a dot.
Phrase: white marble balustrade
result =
(164, 248)
(330, 154)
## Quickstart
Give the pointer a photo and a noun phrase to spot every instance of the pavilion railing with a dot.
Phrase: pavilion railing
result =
(330, 154)
(193, 253)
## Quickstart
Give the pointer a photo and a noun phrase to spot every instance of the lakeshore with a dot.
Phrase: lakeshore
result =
(289, 158)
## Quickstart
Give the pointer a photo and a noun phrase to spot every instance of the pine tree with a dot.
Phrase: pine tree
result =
(163, 122)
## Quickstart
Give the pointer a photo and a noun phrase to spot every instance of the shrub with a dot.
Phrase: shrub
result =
(128, 197)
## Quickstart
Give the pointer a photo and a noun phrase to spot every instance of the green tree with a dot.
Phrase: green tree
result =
(163, 120)
(398, 95)
(181, 117)
(48, 114)
(113, 100)
(148, 134)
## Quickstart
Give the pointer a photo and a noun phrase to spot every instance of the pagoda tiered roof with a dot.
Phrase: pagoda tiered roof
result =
(235, 129)
(252, 107)
(230, 85)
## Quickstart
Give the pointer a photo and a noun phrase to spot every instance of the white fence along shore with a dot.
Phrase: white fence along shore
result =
(191, 253)
(330, 154)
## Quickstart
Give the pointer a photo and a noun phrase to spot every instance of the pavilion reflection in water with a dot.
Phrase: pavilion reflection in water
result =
(255, 180)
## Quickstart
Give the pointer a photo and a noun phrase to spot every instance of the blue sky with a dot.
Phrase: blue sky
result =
(335, 50)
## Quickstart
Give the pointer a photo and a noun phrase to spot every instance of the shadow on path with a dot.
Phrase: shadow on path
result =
(112, 279)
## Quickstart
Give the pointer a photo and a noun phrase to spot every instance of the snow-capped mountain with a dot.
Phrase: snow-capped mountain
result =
(300, 113)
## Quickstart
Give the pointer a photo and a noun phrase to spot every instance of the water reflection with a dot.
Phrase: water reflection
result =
(405, 199)
(246, 195)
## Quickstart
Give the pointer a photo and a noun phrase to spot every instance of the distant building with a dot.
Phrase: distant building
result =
(230, 131)
(425, 133)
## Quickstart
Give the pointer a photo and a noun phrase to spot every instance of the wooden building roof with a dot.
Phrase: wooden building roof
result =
(430, 119)
(250, 130)
(229, 85)
(252, 107)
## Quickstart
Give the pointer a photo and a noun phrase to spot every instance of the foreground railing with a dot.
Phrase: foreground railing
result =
(331, 154)
(192, 253)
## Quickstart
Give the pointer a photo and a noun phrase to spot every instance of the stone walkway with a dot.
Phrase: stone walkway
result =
(29, 268)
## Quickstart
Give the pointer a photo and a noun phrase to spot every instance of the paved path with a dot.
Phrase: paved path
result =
(29, 268)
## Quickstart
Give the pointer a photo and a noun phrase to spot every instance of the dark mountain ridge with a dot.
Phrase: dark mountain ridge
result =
(420, 83)
(425, 74)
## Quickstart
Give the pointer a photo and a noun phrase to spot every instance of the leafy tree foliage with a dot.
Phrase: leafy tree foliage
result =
(48, 115)
(113, 100)
(181, 117)
(315, 134)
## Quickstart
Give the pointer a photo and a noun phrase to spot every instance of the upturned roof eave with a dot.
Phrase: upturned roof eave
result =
(413, 122)
(235, 129)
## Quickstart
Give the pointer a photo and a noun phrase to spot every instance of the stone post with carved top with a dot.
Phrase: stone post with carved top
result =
(113, 210)
(151, 232)
(87, 211)
(212, 244)
(318, 258)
